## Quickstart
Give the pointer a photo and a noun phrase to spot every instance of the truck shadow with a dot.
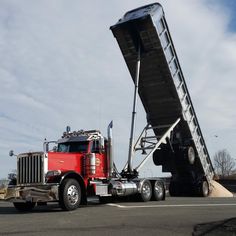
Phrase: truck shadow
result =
(10, 209)
(7, 208)
(223, 227)
(50, 208)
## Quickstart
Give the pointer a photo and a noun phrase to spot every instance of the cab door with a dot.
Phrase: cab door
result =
(101, 159)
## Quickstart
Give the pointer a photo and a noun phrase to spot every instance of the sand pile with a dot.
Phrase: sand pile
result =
(219, 191)
(2, 193)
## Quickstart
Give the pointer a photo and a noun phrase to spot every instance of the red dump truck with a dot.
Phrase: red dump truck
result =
(81, 163)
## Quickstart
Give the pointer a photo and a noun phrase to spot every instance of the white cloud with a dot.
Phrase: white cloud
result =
(61, 65)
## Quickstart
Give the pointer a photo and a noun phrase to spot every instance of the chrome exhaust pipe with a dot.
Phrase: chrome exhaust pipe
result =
(110, 150)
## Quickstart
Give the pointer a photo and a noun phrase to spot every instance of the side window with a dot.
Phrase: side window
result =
(73, 147)
(63, 148)
(79, 147)
(95, 147)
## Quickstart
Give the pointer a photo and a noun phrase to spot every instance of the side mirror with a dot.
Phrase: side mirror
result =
(11, 153)
(46, 146)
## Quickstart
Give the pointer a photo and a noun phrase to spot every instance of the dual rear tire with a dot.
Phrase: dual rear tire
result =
(154, 192)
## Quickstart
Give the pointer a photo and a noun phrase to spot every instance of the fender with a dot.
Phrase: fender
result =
(70, 174)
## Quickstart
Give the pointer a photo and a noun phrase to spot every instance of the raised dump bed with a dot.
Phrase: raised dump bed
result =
(165, 97)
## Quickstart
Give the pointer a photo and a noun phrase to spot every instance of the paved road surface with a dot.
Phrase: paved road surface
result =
(175, 216)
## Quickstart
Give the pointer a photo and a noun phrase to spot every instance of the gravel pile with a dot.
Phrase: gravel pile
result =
(219, 191)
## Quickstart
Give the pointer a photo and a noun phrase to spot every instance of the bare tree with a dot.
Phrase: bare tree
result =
(224, 164)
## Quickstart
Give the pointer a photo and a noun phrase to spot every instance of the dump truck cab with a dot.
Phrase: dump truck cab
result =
(84, 152)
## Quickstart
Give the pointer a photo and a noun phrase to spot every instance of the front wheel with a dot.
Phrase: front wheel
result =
(24, 206)
(70, 195)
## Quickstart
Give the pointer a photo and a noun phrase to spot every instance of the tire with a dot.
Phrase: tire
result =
(146, 191)
(70, 195)
(158, 191)
(24, 206)
(191, 155)
(204, 189)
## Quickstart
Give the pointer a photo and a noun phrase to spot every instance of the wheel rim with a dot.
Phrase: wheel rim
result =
(158, 189)
(146, 189)
(73, 194)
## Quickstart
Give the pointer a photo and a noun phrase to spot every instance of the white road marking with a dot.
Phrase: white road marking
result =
(178, 205)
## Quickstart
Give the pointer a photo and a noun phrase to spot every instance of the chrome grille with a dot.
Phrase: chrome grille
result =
(30, 168)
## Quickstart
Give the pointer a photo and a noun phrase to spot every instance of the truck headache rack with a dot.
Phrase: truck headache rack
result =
(162, 87)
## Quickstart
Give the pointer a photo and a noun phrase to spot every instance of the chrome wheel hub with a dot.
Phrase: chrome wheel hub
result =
(73, 194)
(146, 190)
(158, 189)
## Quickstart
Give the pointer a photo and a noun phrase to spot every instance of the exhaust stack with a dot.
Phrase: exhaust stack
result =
(110, 149)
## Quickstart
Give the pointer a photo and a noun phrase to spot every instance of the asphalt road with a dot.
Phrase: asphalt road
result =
(175, 216)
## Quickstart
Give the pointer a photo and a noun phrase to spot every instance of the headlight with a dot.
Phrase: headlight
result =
(52, 173)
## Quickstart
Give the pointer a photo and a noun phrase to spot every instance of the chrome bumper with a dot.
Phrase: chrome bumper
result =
(41, 193)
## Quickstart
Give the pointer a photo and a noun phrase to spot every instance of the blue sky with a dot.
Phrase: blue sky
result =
(231, 6)
(60, 65)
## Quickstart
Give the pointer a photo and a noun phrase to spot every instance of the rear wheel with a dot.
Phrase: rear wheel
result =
(204, 189)
(70, 195)
(24, 206)
(146, 191)
(158, 192)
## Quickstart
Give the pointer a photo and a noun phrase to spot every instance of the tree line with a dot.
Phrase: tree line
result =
(224, 164)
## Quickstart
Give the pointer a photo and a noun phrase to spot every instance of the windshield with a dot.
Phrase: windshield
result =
(73, 147)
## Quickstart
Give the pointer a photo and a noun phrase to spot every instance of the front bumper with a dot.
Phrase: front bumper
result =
(39, 193)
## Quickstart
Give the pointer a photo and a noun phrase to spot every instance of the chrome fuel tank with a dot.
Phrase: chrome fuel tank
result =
(123, 188)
